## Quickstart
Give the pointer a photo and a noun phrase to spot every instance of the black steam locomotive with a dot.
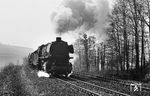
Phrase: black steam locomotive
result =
(54, 56)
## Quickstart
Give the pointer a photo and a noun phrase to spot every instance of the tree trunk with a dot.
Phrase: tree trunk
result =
(103, 58)
(149, 24)
(143, 45)
(136, 35)
(121, 60)
(97, 63)
(127, 55)
(132, 54)
(126, 63)
(86, 52)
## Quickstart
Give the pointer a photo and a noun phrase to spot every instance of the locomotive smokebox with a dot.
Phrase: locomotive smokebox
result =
(58, 38)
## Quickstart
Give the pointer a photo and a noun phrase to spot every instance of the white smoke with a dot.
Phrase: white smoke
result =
(42, 74)
(82, 16)
(75, 57)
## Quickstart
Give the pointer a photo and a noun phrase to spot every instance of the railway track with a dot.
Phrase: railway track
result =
(91, 89)
(144, 87)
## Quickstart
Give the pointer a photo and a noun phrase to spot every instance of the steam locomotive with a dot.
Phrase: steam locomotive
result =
(54, 56)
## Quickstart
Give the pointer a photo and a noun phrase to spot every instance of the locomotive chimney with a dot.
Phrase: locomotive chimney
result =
(58, 38)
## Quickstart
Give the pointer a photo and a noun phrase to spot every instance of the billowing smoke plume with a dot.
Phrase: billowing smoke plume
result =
(82, 16)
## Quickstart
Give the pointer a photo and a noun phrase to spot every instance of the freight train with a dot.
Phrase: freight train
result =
(54, 56)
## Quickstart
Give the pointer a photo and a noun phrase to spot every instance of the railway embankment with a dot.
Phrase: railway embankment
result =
(46, 86)
(23, 81)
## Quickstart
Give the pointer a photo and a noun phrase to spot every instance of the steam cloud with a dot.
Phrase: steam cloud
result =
(82, 16)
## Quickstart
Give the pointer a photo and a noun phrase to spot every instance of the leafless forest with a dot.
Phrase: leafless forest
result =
(127, 51)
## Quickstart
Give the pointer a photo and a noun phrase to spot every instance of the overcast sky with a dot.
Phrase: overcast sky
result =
(26, 22)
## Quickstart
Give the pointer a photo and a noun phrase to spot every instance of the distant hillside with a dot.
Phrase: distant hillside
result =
(10, 50)
(13, 54)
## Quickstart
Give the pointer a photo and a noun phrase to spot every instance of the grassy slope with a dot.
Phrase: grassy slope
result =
(27, 75)
(10, 83)
(14, 82)
(18, 80)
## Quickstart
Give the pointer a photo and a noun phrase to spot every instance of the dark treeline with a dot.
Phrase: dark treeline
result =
(128, 47)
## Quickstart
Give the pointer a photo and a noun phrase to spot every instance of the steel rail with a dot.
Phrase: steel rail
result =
(87, 91)
(103, 88)
(127, 83)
